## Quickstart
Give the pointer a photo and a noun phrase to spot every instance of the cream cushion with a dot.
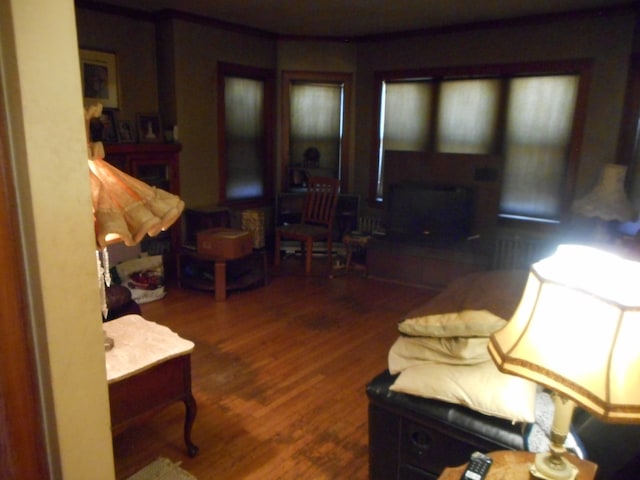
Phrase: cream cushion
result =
(475, 305)
(481, 387)
(409, 351)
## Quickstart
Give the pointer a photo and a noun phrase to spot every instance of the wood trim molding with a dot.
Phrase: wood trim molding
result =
(524, 21)
(23, 453)
(630, 124)
(163, 14)
(268, 78)
(344, 78)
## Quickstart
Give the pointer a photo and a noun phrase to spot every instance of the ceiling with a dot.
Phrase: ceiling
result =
(355, 18)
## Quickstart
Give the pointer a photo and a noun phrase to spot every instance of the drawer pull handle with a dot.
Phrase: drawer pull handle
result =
(421, 439)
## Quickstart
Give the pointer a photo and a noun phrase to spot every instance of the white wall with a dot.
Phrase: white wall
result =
(40, 74)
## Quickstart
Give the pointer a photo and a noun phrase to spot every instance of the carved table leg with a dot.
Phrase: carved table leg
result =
(190, 416)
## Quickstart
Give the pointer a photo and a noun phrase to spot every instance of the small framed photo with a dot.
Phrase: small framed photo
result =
(100, 83)
(126, 133)
(109, 132)
(149, 127)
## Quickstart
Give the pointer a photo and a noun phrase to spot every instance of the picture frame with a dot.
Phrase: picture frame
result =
(149, 127)
(100, 82)
(126, 133)
(109, 131)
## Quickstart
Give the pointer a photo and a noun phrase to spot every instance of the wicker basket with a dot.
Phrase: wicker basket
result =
(253, 221)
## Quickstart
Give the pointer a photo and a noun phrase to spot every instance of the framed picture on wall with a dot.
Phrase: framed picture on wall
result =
(149, 127)
(126, 133)
(109, 132)
(100, 83)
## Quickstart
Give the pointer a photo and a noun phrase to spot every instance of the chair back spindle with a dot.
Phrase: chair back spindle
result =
(320, 201)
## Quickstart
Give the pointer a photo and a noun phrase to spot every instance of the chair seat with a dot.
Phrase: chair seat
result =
(303, 230)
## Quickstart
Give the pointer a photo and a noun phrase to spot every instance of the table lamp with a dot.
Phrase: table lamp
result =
(576, 333)
(125, 209)
(607, 202)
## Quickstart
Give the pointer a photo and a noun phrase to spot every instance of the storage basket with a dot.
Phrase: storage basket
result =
(253, 222)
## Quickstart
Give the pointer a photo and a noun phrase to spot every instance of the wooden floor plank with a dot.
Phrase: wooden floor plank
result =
(279, 375)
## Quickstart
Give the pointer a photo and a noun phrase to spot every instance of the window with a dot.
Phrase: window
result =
(539, 120)
(467, 115)
(525, 114)
(245, 134)
(316, 108)
(316, 122)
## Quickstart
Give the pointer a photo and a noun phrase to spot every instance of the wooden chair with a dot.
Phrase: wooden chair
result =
(318, 213)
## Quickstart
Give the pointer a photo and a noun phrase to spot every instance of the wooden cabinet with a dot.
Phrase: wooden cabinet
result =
(158, 165)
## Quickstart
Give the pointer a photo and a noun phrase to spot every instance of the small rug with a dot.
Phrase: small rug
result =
(162, 469)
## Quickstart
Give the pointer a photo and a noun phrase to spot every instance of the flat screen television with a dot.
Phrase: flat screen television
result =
(420, 212)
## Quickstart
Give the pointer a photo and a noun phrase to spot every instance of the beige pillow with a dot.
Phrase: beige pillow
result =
(481, 387)
(409, 351)
(475, 305)
(466, 323)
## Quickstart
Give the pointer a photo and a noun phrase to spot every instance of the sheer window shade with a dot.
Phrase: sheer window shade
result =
(404, 120)
(538, 112)
(316, 121)
(407, 110)
(467, 116)
(539, 125)
(244, 137)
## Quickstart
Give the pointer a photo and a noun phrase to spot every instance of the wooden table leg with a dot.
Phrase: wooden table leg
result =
(221, 280)
(190, 416)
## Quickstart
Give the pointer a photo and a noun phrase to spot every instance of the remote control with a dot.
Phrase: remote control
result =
(478, 467)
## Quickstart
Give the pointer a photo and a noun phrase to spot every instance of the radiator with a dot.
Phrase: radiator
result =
(369, 224)
(515, 251)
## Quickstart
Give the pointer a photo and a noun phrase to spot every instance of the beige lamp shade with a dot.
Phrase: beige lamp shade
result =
(125, 208)
(608, 200)
(576, 331)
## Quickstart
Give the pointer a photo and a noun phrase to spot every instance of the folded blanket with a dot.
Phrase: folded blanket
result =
(409, 351)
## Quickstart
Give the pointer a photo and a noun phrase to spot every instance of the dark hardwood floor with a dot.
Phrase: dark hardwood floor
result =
(279, 375)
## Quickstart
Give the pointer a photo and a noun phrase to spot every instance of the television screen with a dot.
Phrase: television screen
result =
(430, 213)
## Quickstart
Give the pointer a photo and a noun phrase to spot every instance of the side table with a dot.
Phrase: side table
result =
(514, 465)
(148, 368)
(222, 274)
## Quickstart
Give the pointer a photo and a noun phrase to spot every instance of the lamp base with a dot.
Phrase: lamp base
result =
(108, 342)
(544, 469)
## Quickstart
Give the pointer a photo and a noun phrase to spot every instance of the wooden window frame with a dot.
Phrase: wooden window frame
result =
(289, 77)
(267, 76)
(581, 67)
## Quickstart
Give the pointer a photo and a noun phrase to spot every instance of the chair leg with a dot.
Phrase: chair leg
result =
(330, 252)
(308, 254)
(276, 253)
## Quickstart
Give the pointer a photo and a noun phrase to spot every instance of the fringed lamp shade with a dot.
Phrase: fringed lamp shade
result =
(608, 200)
(125, 208)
